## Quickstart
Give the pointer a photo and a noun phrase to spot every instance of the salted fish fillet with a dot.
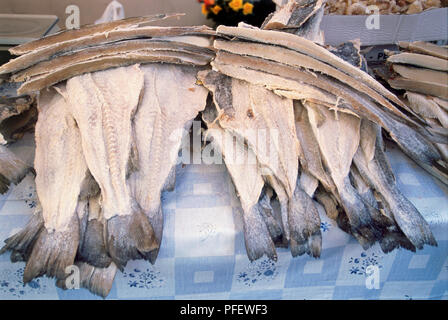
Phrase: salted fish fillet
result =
(108, 50)
(68, 35)
(246, 108)
(45, 53)
(249, 184)
(310, 48)
(338, 141)
(373, 165)
(171, 100)
(103, 104)
(225, 62)
(107, 62)
(60, 169)
(296, 59)
(248, 111)
(419, 60)
(425, 87)
(12, 169)
(247, 179)
(421, 74)
(400, 132)
(427, 107)
(425, 48)
(441, 102)
(310, 159)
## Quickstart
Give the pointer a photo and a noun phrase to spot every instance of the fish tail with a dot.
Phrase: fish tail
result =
(129, 237)
(92, 248)
(256, 235)
(21, 244)
(53, 252)
(98, 281)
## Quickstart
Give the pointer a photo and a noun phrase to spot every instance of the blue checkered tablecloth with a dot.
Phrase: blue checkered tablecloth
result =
(202, 255)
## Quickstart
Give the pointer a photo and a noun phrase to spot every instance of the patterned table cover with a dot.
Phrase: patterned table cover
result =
(202, 255)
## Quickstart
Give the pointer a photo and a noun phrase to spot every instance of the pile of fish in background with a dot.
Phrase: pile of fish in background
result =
(115, 101)
(422, 70)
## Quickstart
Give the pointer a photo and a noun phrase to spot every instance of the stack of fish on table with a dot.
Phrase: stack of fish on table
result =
(421, 69)
(112, 96)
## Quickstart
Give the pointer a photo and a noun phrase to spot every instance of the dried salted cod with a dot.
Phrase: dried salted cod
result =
(102, 63)
(309, 48)
(150, 46)
(60, 170)
(372, 163)
(103, 104)
(296, 59)
(428, 108)
(12, 169)
(419, 60)
(171, 100)
(250, 111)
(425, 48)
(47, 52)
(88, 30)
(425, 87)
(246, 176)
(338, 141)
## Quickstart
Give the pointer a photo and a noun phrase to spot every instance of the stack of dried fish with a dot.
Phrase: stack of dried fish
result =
(422, 70)
(305, 128)
(326, 118)
(106, 143)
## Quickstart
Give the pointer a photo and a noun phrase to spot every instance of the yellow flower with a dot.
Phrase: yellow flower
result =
(236, 4)
(216, 9)
(248, 8)
(204, 9)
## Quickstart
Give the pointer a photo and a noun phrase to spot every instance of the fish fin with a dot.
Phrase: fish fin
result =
(21, 244)
(256, 235)
(156, 221)
(304, 223)
(53, 252)
(129, 237)
(92, 248)
(266, 211)
(98, 281)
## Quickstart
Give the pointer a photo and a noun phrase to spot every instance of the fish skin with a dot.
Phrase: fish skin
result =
(380, 175)
(159, 128)
(92, 247)
(304, 223)
(103, 104)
